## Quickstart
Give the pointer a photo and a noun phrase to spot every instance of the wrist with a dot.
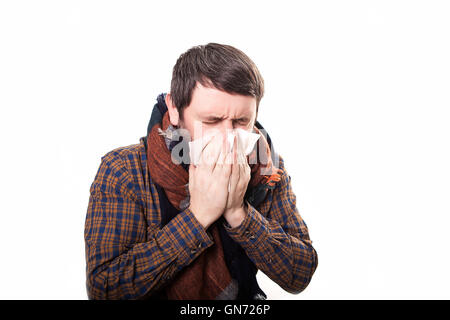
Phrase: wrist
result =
(202, 219)
(236, 216)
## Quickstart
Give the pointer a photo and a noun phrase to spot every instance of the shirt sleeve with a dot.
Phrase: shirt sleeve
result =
(276, 238)
(126, 258)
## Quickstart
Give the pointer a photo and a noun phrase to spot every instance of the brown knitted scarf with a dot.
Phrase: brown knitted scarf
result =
(207, 276)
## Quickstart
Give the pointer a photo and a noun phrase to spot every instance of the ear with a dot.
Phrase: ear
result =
(173, 112)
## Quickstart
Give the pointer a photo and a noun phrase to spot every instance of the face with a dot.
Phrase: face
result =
(211, 109)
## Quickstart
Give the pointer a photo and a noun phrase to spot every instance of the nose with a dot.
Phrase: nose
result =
(226, 126)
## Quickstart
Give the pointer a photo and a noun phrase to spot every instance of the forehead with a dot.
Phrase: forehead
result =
(208, 101)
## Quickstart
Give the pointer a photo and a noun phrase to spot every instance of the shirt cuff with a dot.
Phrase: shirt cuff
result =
(252, 232)
(187, 236)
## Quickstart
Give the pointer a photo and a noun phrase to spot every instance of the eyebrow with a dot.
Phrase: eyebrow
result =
(217, 118)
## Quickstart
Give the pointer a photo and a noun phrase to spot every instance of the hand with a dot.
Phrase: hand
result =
(208, 181)
(239, 179)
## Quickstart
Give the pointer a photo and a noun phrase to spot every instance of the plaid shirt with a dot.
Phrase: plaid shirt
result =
(129, 255)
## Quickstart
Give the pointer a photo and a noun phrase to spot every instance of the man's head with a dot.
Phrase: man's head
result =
(216, 86)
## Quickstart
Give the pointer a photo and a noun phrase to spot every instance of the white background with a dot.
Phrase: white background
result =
(357, 102)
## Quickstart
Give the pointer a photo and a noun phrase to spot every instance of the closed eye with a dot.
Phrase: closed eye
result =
(241, 121)
(210, 122)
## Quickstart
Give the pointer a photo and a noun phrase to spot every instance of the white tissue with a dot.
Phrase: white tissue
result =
(247, 141)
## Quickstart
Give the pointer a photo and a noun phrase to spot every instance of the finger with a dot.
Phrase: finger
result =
(227, 150)
(206, 139)
(244, 174)
(191, 176)
(238, 158)
(235, 153)
(223, 154)
(217, 149)
(197, 146)
(234, 177)
(248, 171)
(224, 170)
(206, 142)
(243, 158)
(240, 181)
(220, 160)
(211, 152)
(239, 151)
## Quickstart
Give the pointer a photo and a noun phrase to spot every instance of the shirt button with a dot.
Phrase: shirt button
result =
(249, 235)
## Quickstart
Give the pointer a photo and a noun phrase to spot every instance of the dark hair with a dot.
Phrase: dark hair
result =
(215, 65)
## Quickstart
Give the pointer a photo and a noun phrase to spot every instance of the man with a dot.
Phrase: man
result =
(161, 228)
